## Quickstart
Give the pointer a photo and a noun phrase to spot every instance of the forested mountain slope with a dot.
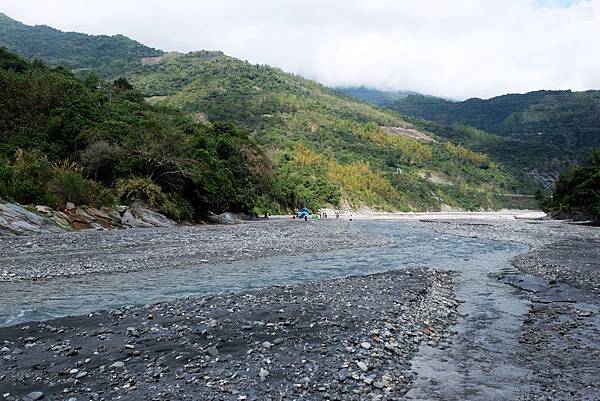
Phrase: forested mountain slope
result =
(108, 56)
(542, 130)
(324, 148)
(99, 143)
(330, 137)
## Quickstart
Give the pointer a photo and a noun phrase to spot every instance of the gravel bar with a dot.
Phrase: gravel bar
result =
(90, 252)
(560, 250)
(342, 339)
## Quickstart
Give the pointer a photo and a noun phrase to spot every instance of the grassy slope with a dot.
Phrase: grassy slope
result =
(329, 135)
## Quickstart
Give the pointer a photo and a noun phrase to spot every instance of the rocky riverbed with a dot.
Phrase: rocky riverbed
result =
(344, 339)
(560, 250)
(77, 253)
(559, 339)
(471, 328)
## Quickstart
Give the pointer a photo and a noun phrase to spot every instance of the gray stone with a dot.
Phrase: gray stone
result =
(263, 373)
(117, 365)
(33, 396)
(212, 351)
(362, 366)
(343, 374)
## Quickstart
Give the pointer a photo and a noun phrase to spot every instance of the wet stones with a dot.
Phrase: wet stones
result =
(197, 349)
(34, 396)
(263, 374)
(117, 365)
(89, 252)
(212, 351)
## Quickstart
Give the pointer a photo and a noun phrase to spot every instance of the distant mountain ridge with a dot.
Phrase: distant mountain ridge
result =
(374, 96)
(108, 56)
(541, 130)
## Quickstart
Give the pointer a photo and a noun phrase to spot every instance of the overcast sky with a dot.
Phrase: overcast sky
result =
(456, 49)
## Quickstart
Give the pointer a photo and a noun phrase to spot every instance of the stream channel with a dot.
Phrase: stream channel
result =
(478, 364)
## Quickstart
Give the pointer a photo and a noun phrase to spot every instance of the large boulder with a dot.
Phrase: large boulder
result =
(16, 220)
(139, 215)
(223, 218)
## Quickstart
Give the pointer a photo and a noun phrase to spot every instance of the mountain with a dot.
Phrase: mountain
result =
(374, 96)
(324, 148)
(542, 131)
(108, 56)
(368, 155)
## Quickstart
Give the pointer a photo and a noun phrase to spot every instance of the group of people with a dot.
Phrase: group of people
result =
(315, 216)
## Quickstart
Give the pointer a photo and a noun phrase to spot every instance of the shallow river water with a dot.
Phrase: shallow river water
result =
(412, 246)
(477, 365)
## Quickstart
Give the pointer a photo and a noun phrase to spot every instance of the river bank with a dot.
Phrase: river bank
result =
(339, 339)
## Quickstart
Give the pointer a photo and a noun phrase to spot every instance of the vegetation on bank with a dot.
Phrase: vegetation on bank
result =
(577, 191)
(98, 143)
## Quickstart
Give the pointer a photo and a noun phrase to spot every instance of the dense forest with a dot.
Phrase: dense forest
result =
(542, 131)
(98, 143)
(577, 191)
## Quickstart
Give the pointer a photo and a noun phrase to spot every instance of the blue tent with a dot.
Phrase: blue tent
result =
(304, 212)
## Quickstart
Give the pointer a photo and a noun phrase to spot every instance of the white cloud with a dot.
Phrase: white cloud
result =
(449, 48)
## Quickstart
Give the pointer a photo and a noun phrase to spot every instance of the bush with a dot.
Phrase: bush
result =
(68, 184)
(31, 171)
(5, 179)
(100, 160)
(140, 188)
(577, 191)
(144, 189)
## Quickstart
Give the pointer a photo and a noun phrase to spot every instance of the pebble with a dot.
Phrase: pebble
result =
(263, 373)
(117, 365)
(34, 396)
(212, 351)
(362, 366)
